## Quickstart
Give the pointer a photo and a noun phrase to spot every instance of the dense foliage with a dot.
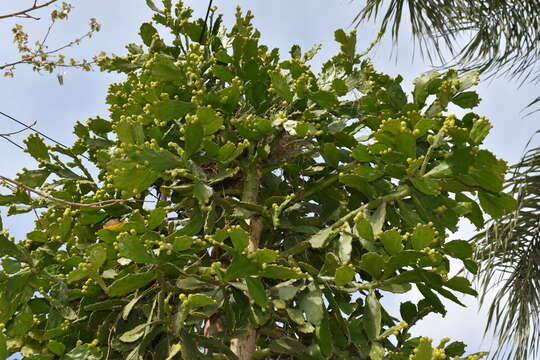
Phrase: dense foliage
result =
(236, 205)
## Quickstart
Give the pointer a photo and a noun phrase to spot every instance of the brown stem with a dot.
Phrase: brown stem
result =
(25, 12)
(244, 346)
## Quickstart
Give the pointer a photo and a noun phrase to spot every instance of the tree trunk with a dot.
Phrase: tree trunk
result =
(245, 345)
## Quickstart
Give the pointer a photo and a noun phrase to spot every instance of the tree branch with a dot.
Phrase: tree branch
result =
(25, 12)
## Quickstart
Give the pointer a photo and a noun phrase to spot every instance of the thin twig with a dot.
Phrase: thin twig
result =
(19, 131)
(25, 12)
(96, 205)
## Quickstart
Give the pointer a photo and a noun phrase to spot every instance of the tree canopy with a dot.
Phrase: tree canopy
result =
(236, 205)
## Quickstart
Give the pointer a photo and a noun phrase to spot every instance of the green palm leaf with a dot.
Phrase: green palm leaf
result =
(509, 253)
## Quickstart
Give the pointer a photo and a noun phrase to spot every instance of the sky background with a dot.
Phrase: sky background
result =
(33, 97)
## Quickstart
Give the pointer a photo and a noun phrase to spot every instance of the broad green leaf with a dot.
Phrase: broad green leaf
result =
(223, 73)
(324, 336)
(37, 148)
(134, 334)
(147, 31)
(239, 238)
(167, 110)
(9, 248)
(287, 346)
(182, 243)
(391, 241)
(202, 192)
(378, 218)
(344, 275)
(240, 267)
(210, 120)
(496, 205)
(280, 272)
(281, 86)
(348, 42)
(157, 216)
(3, 347)
(130, 132)
(321, 239)
(376, 352)
(408, 311)
(372, 316)
(199, 300)
(325, 99)
(428, 186)
(466, 100)
(422, 237)
(373, 264)
(312, 305)
(97, 255)
(456, 348)
(84, 352)
(459, 249)
(257, 291)
(132, 248)
(22, 322)
(164, 69)
(193, 137)
(130, 283)
(364, 229)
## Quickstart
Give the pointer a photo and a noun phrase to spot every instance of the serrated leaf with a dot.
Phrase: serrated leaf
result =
(147, 31)
(182, 243)
(156, 218)
(240, 267)
(496, 205)
(281, 86)
(210, 120)
(37, 148)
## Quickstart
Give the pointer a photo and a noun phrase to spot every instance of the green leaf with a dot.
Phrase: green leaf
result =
(193, 138)
(348, 42)
(202, 192)
(132, 248)
(22, 322)
(321, 238)
(37, 148)
(408, 311)
(422, 237)
(424, 350)
(344, 275)
(312, 305)
(130, 283)
(364, 229)
(83, 352)
(182, 243)
(239, 238)
(210, 120)
(56, 347)
(428, 186)
(97, 255)
(461, 284)
(466, 100)
(459, 249)
(130, 132)
(199, 300)
(240, 267)
(372, 316)
(147, 31)
(456, 348)
(496, 205)
(9, 248)
(157, 217)
(33, 178)
(167, 110)
(134, 334)
(373, 264)
(324, 337)
(325, 99)
(287, 346)
(257, 291)
(223, 73)
(391, 241)
(281, 86)
(280, 272)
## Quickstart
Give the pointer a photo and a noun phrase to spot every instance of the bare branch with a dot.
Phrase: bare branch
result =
(96, 205)
(25, 12)
(19, 131)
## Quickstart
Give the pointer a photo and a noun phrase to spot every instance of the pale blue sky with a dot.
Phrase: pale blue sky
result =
(33, 97)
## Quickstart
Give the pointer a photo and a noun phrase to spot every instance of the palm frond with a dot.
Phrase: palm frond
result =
(509, 254)
(500, 34)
